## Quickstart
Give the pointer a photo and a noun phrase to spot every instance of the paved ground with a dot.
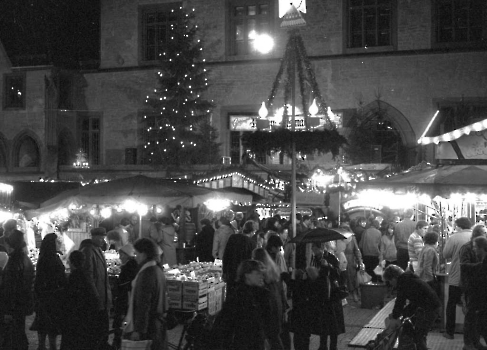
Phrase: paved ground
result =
(355, 318)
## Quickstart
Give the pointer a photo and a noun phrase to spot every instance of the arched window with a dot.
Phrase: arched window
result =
(27, 153)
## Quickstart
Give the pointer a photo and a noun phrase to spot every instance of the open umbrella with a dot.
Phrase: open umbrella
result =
(320, 235)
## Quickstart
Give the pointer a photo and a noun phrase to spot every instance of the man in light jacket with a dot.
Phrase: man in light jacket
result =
(222, 234)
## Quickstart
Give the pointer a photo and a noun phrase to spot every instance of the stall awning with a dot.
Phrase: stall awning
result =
(435, 181)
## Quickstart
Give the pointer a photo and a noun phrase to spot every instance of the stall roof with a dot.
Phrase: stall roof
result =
(435, 180)
(143, 189)
(29, 194)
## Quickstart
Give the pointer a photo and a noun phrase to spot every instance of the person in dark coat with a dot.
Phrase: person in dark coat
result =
(204, 241)
(306, 294)
(148, 299)
(239, 248)
(16, 293)
(80, 306)
(423, 301)
(128, 272)
(95, 267)
(49, 285)
(241, 323)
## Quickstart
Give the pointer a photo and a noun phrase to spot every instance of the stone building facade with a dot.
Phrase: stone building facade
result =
(401, 55)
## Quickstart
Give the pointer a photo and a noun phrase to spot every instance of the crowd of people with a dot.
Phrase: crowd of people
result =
(273, 287)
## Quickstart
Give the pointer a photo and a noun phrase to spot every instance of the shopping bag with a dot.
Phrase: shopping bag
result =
(379, 270)
(363, 277)
(128, 344)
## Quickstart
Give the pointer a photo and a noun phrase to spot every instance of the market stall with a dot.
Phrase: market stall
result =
(138, 196)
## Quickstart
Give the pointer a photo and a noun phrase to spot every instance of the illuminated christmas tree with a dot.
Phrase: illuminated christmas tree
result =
(178, 131)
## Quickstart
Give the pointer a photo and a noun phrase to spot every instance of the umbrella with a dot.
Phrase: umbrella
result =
(320, 235)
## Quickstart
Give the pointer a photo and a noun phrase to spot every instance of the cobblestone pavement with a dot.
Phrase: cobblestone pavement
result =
(355, 318)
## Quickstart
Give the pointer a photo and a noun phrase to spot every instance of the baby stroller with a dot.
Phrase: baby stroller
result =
(386, 340)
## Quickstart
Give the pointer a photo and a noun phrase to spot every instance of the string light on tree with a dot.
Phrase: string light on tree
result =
(179, 129)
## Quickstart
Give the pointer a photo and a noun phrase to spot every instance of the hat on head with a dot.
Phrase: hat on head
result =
(128, 249)
(16, 240)
(98, 231)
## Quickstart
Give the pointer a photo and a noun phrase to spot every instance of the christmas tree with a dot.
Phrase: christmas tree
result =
(178, 131)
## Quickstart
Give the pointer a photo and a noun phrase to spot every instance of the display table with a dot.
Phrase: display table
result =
(460, 317)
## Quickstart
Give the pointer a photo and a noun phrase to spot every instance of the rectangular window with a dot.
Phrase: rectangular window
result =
(14, 93)
(89, 137)
(370, 23)
(156, 25)
(460, 21)
(248, 19)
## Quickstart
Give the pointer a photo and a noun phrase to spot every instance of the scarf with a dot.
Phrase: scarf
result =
(129, 319)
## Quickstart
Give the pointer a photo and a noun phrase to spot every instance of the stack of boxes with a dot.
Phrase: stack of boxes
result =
(196, 286)
(216, 296)
(196, 295)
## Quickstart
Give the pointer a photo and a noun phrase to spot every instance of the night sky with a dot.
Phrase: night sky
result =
(60, 32)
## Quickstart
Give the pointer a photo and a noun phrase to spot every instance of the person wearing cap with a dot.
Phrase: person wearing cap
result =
(96, 269)
(127, 274)
(16, 292)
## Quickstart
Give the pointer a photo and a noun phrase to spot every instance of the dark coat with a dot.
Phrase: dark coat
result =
(204, 244)
(316, 309)
(150, 303)
(49, 285)
(419, 294)
(96, 271)
(239, 248)
(124, 286)
(80, 306)
(241, 323)
(16, 291)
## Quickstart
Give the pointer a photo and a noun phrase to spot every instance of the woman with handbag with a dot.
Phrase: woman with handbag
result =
(16, 297)
(148, 301)
(49, 285)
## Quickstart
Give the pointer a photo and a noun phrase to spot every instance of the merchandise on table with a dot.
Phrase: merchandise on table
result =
(114, 264)
(196, 286)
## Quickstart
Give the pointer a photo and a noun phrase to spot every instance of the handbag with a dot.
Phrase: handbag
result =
(128, 344)
(363, 277)
(339, 291)
(171, 321)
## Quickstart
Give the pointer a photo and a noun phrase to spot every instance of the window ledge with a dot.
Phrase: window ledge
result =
(370, 49)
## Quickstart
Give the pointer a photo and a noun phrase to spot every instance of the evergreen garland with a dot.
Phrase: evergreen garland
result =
(306, 142)
(178, 131)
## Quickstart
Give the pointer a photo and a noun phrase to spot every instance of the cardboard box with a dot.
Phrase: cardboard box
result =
(174, 286)
(175, 296)
(175, 304)
(195, 288)
(200, 304)
(195, 298)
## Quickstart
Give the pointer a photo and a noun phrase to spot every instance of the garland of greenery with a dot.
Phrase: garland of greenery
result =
(296, 60)
(306, 142)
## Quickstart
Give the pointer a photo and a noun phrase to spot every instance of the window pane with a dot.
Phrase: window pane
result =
(239, 31)
(264, 9)
(240, 11)
(252, 10)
